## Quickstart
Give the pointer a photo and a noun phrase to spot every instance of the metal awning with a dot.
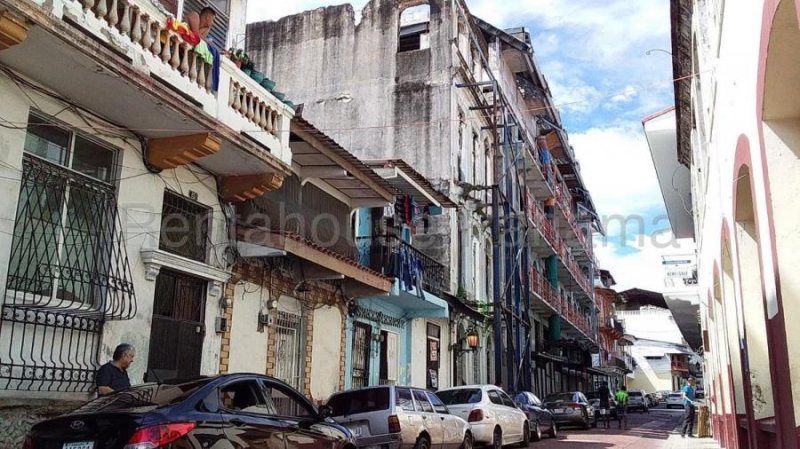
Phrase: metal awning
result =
(318, 159)
(408, 181)
(319, 263)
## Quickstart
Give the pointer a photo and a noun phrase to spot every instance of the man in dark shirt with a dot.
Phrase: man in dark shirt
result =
(113, 376)
(604, 394)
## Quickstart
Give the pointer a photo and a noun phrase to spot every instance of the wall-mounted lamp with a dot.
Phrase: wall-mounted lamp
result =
(472, 343)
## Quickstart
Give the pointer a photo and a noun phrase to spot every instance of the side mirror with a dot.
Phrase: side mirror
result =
(325, 411)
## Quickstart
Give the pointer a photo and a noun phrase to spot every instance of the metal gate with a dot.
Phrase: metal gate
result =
(176, 335)
(361, 352)
(289, 354)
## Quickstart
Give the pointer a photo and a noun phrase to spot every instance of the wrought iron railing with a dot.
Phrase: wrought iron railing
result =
(68, 273)
(393, 257)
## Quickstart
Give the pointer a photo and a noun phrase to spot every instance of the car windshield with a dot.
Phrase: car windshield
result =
(460, 396)
(635, 393)
(675, 395)
(359, 401)
(143, 396)
(559, 397)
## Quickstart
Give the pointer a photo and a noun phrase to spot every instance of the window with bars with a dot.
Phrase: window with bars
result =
(68, 270)
(289, 353)
(184, 227)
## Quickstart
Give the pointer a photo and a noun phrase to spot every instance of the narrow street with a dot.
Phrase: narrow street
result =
(654, 430)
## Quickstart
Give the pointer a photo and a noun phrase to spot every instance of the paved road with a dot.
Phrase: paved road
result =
(653, 430)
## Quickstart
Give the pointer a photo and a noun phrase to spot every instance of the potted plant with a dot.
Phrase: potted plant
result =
(237, 56)
(247, 66)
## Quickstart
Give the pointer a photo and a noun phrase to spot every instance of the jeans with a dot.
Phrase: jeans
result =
(688, 420)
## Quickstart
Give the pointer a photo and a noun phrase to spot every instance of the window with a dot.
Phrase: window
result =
(460, 396)
(184, 227)
(64, 219)
(285, 402)
(494, 397)
(423, 401)
(244, 396)
(288, 353)
(438, 405)
(414, 28)
(404, 399)
(507, 400)
(360, 401)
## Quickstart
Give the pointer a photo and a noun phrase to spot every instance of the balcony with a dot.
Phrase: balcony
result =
(547, 241)
(98, 52)
(395, 258)
(550, 302)
(679, 363)
(572, 232)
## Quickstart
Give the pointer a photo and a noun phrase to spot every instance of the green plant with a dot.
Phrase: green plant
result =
(462, 293)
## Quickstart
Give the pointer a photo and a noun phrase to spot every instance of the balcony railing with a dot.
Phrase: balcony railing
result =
(562, 198)
(139, 29)
(393, 257)
(545, 226)
(541, 286)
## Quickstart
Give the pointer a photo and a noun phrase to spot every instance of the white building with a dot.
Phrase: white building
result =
(737, 110)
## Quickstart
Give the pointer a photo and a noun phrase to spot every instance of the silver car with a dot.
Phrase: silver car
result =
(675, 399)
(392, 417)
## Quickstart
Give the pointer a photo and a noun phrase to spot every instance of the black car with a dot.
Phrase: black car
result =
(234, 411)
(540, 419)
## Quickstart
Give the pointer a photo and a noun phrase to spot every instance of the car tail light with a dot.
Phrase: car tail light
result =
(394, 424)
(28, 443)
(574, 405)
(475, 415)
(157, 436)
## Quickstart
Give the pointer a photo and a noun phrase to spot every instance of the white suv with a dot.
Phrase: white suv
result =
(493, 415)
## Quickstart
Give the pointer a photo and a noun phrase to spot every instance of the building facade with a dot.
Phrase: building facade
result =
(394, 86)
(736, 114)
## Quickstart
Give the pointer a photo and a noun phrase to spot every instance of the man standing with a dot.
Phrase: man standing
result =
(113, 376)
(688, 406)
(622, 406)
(605, 402)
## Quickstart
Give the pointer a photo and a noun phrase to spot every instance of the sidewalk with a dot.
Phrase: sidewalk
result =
(675, 441)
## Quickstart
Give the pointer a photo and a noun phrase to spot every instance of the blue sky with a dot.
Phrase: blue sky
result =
(594, 54)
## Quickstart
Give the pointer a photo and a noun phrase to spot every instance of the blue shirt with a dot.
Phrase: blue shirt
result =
(688, 390)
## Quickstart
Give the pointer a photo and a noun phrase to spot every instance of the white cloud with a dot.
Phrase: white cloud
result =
(626, 95)
(617, 169)
(261, 10)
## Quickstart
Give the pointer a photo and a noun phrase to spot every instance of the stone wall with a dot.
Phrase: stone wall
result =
(18, 416)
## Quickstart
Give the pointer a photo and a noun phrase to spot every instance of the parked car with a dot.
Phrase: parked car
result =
(675, 399)
(494, 417)
(594, 400)
(241, 410)
(651, 400)
(540, 419)
(399, 418)
(637, 400)
(700, 393)
(571, 408)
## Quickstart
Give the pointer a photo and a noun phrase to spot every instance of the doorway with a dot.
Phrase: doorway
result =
(178, 329)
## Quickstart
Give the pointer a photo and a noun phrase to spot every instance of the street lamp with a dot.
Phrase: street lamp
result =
(472, 343)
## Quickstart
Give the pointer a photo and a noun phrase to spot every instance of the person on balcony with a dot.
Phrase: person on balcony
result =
(545, 158)
(201, 23)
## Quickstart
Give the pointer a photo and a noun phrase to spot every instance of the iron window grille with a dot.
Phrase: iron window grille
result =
(289, 354)
(184, 227)
(68, 270)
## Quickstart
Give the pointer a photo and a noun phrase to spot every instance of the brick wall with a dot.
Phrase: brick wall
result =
(277, 283)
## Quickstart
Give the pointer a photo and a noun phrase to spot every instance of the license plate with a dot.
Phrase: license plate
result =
(603, 411)
(79, 445)
(555, 410)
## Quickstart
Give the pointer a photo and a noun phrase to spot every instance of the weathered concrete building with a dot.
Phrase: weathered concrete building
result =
(736, 71)
(454, 98)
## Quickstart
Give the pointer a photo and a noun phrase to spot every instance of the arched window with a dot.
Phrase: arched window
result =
(414, 28)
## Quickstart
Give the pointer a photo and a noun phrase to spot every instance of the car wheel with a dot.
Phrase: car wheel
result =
(536, 435)
(586, 423)
(553, 430)
(497, 439)
(467, 443)
(526, 436)
(422, 443)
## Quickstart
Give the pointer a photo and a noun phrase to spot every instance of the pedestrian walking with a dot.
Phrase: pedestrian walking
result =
(605, 403)
(688, 393)
(113, 376)
(622, 407)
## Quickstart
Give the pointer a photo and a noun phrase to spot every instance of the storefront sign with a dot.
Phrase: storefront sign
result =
(378, 317)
